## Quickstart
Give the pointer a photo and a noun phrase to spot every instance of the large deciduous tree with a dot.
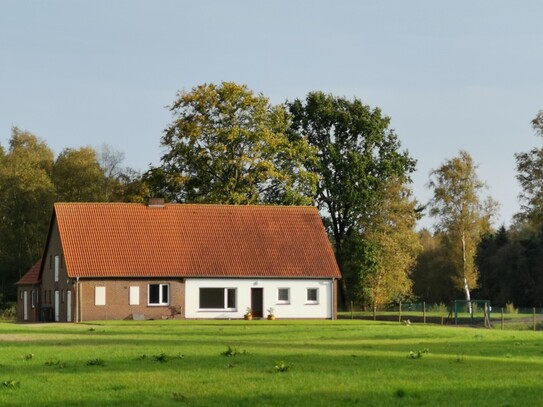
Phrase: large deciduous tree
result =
(77, 176)
(530, 177)
(26, 196)
(394, 246)
(228, 145)
(358, 155)
(463, 216)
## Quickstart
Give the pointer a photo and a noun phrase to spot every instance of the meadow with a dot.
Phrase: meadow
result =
(267, 363)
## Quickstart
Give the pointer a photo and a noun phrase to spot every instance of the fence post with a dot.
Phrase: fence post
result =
(502, 318)
(533, 318)
(423, 312)
(400, 312)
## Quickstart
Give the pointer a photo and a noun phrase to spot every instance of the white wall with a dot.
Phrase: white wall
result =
(298, 307)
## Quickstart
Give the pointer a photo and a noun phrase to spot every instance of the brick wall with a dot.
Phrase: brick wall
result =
(117, 299)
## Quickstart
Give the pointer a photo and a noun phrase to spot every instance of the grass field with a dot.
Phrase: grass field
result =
(267, 363)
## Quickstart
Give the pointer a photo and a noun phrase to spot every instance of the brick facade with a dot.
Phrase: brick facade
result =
(117, 299)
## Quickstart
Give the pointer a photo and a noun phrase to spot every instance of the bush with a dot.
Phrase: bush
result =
(9, 312)
(510, 308)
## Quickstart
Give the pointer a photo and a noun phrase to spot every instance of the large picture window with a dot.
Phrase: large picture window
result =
(218, 298)
(159, 294)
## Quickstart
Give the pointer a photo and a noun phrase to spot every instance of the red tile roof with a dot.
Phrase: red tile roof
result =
(32, 276)
(181, 240)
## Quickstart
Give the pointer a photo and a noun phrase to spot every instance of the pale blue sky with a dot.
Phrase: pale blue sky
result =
(452, 75)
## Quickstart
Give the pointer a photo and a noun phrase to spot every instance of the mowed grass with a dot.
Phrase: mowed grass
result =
(272, 363)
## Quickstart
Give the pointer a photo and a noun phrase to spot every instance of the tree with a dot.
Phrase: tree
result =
(358, 154)
(26, 197)
(228, 145)
(530, 177)
(110, 161)
(393, 245)
(431, 275)
(462, 217)
(77, 176)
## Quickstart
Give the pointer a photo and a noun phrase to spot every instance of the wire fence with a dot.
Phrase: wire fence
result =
(474, 313)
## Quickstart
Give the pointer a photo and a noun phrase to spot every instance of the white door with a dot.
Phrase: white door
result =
(57, 306)
(69, 305)
(25, 305)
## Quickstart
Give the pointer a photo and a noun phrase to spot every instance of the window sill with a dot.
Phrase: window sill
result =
(217, 310)
(158, 305)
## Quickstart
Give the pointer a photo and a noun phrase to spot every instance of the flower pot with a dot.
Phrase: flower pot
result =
(271, 317)
(248, 317)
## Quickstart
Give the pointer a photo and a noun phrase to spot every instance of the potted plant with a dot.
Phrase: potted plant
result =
(271, 315)
(249, 314)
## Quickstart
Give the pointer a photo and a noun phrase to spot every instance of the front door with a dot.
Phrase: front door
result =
(257, 302)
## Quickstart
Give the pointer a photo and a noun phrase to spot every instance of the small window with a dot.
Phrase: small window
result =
(218, 298)
(100, 296)
(63, 297)
(159, 294)
(312, 295)
(283, 295)
(57, 267)
(21, 295)
(134, 296)
(34, 298)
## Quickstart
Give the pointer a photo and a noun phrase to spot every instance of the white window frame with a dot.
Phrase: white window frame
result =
(308, 290)
(100, 295)
(225, 299)
(279, 300)
(57, 267)
(161, 301)
(134, 295)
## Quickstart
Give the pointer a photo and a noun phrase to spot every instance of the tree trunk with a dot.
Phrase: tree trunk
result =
(465, 280)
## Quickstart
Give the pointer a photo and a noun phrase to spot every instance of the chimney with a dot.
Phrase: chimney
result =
(156, 203)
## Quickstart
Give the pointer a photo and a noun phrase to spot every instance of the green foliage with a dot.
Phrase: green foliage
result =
(418, 354)
(358, 156)
(228, 145)
(26, 197)
(77, 176)
(11, 384)
(530, 177)
(233, 351)
(96, 362)
(282, 366)
(462, 216)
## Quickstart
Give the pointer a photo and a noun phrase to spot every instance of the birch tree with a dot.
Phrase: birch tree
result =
(462, 216)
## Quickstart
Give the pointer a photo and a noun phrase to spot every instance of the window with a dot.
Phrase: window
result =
(159, 294)
(34, 298)
(57, 267)
(312, 295)
(218, 298)
(283, 296)
(100, 296)
(134, 296)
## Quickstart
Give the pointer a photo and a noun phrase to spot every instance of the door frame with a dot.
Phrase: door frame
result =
(257, 302)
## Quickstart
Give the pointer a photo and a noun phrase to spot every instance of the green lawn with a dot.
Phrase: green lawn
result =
(326, 363)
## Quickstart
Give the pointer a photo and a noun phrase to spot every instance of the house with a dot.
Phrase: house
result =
(149, 261)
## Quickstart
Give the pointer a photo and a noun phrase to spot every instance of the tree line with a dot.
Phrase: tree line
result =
(226, 144)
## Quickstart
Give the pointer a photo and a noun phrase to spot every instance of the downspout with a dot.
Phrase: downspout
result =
(333, 299)
(76, 300)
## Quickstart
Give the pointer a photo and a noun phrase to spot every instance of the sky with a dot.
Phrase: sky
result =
(450, 75)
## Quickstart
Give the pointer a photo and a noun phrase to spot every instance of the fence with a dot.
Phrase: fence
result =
(506, 317)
